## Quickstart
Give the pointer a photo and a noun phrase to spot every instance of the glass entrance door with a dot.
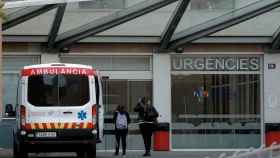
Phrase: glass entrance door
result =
(127, 93)
(216, 111)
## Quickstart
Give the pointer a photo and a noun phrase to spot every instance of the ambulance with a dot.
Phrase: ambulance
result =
(59, 109)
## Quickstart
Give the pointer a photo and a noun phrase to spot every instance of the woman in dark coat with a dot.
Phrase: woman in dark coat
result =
(147, 116)
(121, 120)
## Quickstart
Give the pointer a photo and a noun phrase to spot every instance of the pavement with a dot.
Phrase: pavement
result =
(4, 153)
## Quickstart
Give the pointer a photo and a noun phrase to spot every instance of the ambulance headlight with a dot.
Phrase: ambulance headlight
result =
(22, 133)
(94, 131)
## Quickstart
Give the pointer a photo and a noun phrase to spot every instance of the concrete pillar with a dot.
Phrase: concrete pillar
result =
(271, 88)
(271, 93)
(162, 86)
(49, 58)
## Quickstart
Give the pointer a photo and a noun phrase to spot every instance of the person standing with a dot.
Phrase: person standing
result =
(147, 116)
(121, 120)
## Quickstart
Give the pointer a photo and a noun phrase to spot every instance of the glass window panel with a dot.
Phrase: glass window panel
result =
(102, 4)
(38, 25)
(10, 89)
(131, 63)
(212, 4)
(11, 69)
(127, 93)
(201, 11)
(116, 63)
(115, 94)
(15, 63)
(137, 90)
(262, 25)
(145, 25)
(211, 107)
(124, 92)
(11, 10)
(75, 16)
(58, 90)
(98, 62)
(141, 26)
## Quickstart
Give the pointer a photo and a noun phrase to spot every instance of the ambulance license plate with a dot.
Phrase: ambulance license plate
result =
(46, 134)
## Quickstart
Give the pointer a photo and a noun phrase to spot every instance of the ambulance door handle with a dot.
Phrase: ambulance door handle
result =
(67, 112)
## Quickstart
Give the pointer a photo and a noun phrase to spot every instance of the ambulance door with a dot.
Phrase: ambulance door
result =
(63, 100)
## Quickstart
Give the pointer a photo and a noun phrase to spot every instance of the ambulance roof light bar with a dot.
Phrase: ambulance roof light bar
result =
(30, 3)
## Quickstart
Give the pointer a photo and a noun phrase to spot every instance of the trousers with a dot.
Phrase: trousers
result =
(121, 136)
(147, 130)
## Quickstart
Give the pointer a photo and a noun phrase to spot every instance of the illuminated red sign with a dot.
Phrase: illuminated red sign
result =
(57, 70)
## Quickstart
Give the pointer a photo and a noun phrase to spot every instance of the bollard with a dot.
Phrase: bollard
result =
(161, 137)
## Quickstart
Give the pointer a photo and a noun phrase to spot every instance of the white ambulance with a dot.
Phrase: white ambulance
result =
(59, 109)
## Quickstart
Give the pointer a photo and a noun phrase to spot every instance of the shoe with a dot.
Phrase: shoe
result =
(116, 154)
(147, 154)
(123, 155)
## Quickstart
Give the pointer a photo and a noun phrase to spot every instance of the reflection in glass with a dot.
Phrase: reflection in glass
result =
(212, 4)
(102, 4)
(127, 93)
(219, 110)
(58, 90)
(10, 89)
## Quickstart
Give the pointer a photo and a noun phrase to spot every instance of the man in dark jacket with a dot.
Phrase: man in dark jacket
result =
(121, 120)
(147, 116)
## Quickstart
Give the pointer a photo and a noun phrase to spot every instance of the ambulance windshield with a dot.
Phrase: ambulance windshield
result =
(58, 90)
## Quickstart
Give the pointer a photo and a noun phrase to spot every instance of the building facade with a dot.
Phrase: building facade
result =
(219, 92)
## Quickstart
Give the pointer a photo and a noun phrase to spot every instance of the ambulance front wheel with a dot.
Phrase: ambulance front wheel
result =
(18, 150)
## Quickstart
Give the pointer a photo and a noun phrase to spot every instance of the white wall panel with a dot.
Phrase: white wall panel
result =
(271, 88)
(128, 75)
(162, 86)
(49, 58)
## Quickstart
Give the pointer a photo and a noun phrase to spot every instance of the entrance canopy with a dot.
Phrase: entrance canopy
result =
(31, 3)
(171, 24)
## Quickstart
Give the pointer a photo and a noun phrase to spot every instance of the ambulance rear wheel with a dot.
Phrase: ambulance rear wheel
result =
(81, 154)
(91, 151)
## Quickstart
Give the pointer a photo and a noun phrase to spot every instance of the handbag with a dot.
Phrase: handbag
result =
(152, 114)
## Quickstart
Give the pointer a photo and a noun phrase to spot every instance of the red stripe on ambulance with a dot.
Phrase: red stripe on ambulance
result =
(45, 126)
(28, 126)
(59, 125)
(65, 125)
(52, 126)
(57, 70)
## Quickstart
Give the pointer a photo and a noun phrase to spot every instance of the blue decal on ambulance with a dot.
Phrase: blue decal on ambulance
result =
(82, 115)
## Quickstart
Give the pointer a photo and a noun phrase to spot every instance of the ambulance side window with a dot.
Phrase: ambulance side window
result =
(19, 93)
(97, 89)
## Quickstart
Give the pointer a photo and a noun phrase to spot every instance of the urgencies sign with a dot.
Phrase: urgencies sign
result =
(185, 63)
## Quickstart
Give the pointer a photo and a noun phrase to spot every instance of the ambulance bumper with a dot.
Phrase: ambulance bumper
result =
(57, 146)
(63, 140)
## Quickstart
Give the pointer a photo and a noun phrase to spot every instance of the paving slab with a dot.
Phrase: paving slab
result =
(4, 153)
